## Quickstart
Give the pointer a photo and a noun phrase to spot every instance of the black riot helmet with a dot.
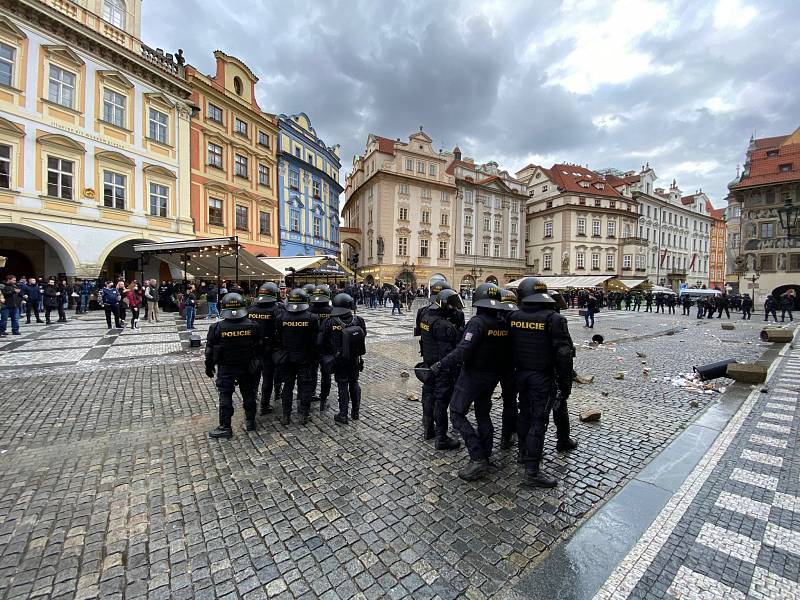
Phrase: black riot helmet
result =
(438, 286)
(321, 294)
(448, 300)
(233, 307)
(509, 298)
(309, 288)
(533, 290)
(561, 304)
(488, 295)
(343, 304)
(297, 301)
(267, 294)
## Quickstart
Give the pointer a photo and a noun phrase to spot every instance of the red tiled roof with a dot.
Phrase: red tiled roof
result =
(716, 213)
(770, 142)
(632, 179)
(385, 145)
(616, 181)
(688, 199)
(765, 169)
(567, 177)
(451, 168)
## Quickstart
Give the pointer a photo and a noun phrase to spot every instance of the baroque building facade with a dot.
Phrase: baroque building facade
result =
(94, 140)
(309, 189)
(398, 213)
(489, 221)
(717, 248)
(765, 259)
(234, 159)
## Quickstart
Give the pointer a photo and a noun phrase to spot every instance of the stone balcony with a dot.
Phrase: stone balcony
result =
(634, 241)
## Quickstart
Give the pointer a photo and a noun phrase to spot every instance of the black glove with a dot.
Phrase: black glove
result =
(210, 371)
(436, 367)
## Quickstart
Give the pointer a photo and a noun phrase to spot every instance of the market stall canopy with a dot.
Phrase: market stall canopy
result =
(660, 289)
(308, 266)
(216, 257)
(563, 283)
(632, 284)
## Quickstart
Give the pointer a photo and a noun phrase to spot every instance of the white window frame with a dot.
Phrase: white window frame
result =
(580, 260)
(610, 260)
(423, 248)
(445, 220)
(262, 230)
(61, 86)
(237, 212)
(402, 246)
(8, 62)
(420, 167)
(595, 261)
(114, 13)
(497, 250)
(432, 170)
(117, 184)
(216, 204)
(425, 217)
(627, 261)
(468, 247)
(65, 179)
(467, 220)
(442, 249)
(596, 225)
(294, 220)
(263, 140)
(486, 248)
(410, 165)
(404, 188)
(263, 174)
(403, 213)
(115, 108)
(294, 179)
(5, 165)
(317, 224)
(240, 126)
(513, 251)
(611, 228)
(217, 156)
(159, 199)
(241, 166)
(159, 125)
(581, 226)
(548, 229)
(212, 109)
(547, 262)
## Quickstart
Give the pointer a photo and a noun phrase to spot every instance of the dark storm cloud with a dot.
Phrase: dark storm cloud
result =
(514, 81)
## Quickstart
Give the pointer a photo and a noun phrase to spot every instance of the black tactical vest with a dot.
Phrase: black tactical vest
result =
(264, 317)
(298, 335)
(237, 340)
(531, 344)
(428, 327)
(494, 350)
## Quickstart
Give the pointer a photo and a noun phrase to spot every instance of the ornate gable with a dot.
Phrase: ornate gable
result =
(116, 78)
(9, 28)
(63, 53)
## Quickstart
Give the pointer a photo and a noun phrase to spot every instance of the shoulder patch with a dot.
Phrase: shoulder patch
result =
(468, 336)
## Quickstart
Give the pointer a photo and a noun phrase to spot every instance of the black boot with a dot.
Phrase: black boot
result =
(341, 419)
(286, 419)
(537, 479)
(250, 423)
(474, 470)
(507, 442)
(447, 443)
(266, 408)
(430, 431)
(323, 404)
(221, 432)
(305, 419)
(355, 404)
(566, 445)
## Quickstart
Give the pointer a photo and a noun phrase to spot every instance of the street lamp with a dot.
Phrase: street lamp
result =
(788, 215)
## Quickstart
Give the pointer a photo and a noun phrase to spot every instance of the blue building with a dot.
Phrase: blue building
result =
(309, 188)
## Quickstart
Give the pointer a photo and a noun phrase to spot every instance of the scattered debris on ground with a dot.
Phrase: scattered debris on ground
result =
(590, 414)
(691, 383)
(583, 379)
(619, 375)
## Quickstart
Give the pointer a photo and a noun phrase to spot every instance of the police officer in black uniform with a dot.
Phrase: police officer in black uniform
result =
(321, 308)
(439, 337)
(437, 287)
(233, 347)
(296, 333)
(263, 313)
(343, 336)
(564, 443)
(542, 353)
(483, 352)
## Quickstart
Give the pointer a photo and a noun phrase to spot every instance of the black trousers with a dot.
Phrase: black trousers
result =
(510, 407)
(346, 375)
(746, 313)
(32, 306)
(687, 309)
(112, 309)
(269, 379)
(768, 312)
(537, 395)
(474, 387)
(226, 384)
(561, 419)
(436, 394)
(783, 314)
(325, 382)
(727, 312)
(303, 373)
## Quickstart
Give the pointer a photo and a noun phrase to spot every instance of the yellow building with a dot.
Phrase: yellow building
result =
(94, 140)
(234, 162)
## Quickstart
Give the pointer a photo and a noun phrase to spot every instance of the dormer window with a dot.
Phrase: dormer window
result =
(583, 184)
(599, 186)
(785, 168)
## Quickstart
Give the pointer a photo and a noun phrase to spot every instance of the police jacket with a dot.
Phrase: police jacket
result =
(264, 317)
(484, 347)
(540, 342)
(323, 313)
(438, 335)
(331, 336)
(232, 345)
(296, 333)
(747, 303)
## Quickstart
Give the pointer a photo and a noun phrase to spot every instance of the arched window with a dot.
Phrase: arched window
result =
(237, 85)
(114, 12)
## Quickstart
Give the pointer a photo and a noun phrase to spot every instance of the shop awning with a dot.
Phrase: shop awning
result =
(323, 266)
(224, 258)
(660, 289)
(562, 283)
(632, 284)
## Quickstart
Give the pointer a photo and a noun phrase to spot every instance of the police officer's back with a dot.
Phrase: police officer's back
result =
(232, 348)
(263, 313)
(343, 345)
(296, 334)
(542, 355)
(321, 308)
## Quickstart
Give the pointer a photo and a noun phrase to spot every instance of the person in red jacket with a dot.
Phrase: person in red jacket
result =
(132, 297)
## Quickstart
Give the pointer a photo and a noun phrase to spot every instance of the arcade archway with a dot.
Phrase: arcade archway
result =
(122, 262)
(34, 253)
(407, 278)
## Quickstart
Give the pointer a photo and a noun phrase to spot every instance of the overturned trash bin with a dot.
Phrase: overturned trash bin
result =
(781, 336)
(714, 370)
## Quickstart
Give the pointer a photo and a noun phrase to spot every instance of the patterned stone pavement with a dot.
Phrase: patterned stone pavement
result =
(733, 530)
(110, 488)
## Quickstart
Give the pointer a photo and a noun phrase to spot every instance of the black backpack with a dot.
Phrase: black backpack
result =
(353, 340)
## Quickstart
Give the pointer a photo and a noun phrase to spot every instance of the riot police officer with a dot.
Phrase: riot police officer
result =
(296, 332)
(437, 287)
(321, 308)
(343, 344)
(564, 443)
(263, 313)
(483, 351)
(542, 354)
(232, 348)
(439, 338)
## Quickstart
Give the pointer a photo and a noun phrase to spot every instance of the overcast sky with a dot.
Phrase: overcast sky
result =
(681, 84)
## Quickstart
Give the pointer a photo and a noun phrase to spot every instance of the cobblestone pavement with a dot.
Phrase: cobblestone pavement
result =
(733, 530)
(109, 486)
